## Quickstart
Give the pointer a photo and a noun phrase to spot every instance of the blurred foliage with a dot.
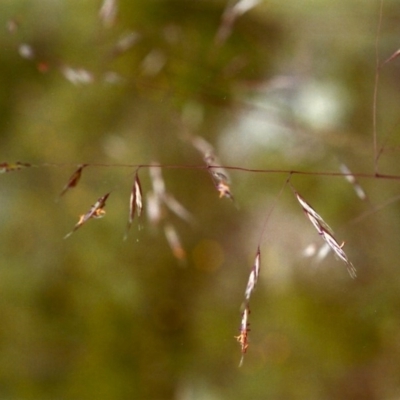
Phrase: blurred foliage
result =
(285, 86)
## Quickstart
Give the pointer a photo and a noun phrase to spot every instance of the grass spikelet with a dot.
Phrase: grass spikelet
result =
(338, 249)
(392, 57)
(231, 13)
(253, 278)
(153, 208)
(353, 181)
(73, 180)
(242, 338)
(218, 174)
(96, 211)
(157, 180)
(312, 215)
(177, 208)
(135, 202)
(108, 12)
(160, 196)
(9, 167)
(326, 233)
(174, 242)
(159, 203)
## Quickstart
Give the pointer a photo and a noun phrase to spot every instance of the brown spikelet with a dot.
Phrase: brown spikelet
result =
(9, 167)
(96, 211)
(73, 180)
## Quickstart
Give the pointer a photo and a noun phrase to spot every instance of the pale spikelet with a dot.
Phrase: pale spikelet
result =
(174, 242)
(136, 198)
(242, 338)
(157, 180)
(153, 63)
(108, 12)
(392, 57)
(177, 208)
(135, 202)
(231, 13)
(202, 145)
(312, 215)
(161, 196)
(96, 211)
(243, 6)
(153, 208)
(126, 42)
(159, 203)
(73, 180)
(353, 181)
(326, 233)
(338, 249)
(315, 222)
(253, 278)
(219, 176)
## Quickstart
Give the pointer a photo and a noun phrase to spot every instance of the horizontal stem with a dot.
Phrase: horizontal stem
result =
(233, 168)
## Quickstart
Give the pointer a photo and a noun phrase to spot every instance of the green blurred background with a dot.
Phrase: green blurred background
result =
(286, 85)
